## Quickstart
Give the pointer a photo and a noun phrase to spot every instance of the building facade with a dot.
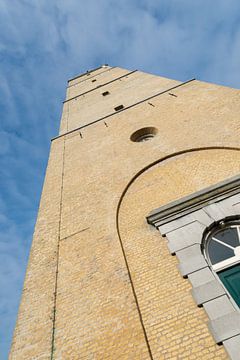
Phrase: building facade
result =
(136, 152)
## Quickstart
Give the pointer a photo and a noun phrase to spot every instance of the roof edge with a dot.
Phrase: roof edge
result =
(88, 71)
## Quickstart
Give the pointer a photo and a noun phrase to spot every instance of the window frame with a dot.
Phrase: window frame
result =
(185, 223)
(216, 228)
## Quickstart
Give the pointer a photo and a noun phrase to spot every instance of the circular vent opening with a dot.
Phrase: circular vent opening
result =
(144, 134)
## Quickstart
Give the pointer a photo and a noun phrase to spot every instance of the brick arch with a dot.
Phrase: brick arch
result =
(147, 257)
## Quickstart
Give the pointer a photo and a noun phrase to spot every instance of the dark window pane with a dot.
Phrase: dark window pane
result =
(229, 236)
(218, 252)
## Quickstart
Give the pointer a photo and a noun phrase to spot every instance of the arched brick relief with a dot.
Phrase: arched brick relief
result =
(174, 325)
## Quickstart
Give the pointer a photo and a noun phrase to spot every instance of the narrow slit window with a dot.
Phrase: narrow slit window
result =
(119, 107)
(94, 80)
(105, 93)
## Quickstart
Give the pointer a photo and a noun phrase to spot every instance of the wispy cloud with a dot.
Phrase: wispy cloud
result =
(43, 43)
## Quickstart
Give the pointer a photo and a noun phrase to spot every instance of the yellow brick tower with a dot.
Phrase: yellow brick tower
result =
(135, 153)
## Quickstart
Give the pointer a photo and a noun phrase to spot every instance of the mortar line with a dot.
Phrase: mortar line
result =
(131, 281)
(67, 116)
(77, 232)
(57, 264)
(126, 108)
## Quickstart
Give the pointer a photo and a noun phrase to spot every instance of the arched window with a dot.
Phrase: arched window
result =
(222, 249)
(203, 231)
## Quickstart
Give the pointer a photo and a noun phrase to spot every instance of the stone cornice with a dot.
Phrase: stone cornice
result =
(195, 201)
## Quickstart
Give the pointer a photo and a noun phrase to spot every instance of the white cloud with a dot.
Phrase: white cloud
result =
(45, 42)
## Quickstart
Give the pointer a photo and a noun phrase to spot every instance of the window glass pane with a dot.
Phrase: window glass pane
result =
(218, 252)
(229, 236)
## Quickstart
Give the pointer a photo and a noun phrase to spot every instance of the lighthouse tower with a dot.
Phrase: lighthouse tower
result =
(135, 253)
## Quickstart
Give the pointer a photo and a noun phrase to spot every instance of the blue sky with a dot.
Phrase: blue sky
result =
(42, 44)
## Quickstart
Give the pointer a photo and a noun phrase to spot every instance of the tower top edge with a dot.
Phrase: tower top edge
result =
(90, 71)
